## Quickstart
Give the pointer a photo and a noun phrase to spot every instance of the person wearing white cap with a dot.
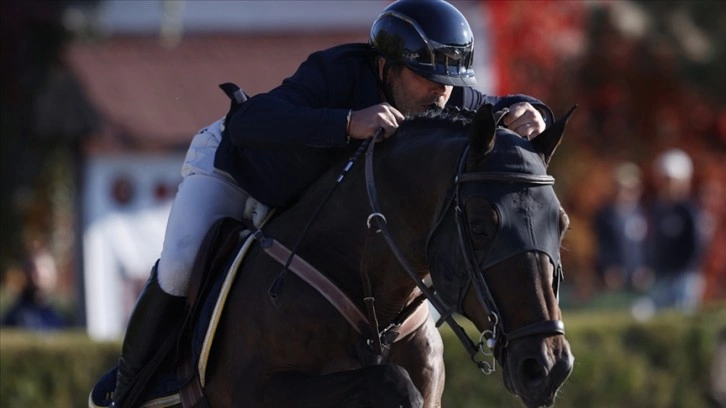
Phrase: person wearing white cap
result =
(674, 172)
(675, 245)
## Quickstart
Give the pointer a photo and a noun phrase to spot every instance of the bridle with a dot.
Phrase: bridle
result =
(495, 337)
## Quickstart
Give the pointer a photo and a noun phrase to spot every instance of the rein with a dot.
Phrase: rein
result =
(378, 220)
(496, 331)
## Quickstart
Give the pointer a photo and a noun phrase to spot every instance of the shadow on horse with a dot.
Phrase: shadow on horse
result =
(329, 305)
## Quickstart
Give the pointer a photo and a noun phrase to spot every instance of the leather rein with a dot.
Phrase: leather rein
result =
(495, 336)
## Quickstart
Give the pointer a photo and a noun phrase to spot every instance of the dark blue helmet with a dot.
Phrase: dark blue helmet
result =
(430, 37)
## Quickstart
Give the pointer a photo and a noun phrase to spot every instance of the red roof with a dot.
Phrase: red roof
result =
(152, 96)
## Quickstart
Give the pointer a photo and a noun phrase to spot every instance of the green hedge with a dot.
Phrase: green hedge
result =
(618, 363)
(51, 369)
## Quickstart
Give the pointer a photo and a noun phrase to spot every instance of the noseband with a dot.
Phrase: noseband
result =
(496, 339)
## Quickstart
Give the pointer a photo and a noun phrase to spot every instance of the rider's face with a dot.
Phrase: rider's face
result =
(413, 93)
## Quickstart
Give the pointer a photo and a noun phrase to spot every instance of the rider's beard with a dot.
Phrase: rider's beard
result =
(401, 100)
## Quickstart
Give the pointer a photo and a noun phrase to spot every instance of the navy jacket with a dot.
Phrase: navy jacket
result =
(675, 243)
(277, 143)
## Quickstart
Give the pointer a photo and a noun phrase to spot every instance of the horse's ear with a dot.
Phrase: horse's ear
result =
(546, 143)
(481, 136)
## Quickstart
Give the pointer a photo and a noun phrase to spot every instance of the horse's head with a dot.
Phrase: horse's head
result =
(494, 254)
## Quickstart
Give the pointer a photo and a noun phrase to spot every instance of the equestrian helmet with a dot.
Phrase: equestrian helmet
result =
(430, 37)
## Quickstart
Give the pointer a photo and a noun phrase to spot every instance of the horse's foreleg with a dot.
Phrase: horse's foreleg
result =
(374, 386)
(422, 355)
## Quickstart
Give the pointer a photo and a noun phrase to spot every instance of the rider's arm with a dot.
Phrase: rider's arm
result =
(307, 109)
(470, 98)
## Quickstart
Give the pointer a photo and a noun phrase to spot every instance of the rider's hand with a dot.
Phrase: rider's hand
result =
(365, 122)
(525, 120)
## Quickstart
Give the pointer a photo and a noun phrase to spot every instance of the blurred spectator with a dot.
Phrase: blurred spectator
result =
(32, 308)
(620, 227)
(675, 241)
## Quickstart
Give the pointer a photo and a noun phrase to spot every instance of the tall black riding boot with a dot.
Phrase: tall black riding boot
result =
(155, 314)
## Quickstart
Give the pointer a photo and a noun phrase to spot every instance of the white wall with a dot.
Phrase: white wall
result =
(121, 242)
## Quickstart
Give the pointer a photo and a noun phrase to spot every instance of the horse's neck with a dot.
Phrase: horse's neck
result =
(411, 180)
(411, 184)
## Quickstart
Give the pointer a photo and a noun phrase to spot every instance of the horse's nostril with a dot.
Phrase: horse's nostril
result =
(561, 370)
(532, 372)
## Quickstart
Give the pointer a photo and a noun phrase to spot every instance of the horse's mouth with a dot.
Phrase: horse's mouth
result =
(529, 402)
(545, 404)
(540, 399)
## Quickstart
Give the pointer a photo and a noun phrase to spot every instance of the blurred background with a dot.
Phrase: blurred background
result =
(100, 99)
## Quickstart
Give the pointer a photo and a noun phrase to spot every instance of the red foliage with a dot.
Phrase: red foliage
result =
(633, 104)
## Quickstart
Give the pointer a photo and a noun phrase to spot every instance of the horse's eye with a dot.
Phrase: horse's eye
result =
(482, 220)
(482, 231)
(479, 228)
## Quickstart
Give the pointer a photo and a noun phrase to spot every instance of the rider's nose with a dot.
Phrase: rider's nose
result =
(438, 89)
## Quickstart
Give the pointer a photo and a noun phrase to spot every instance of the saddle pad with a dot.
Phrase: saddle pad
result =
(211, 312)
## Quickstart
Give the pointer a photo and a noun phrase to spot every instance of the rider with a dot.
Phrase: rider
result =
(275, 144)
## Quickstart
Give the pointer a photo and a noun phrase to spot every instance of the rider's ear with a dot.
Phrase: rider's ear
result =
(546, 143)
(381, 63)
(481, 136)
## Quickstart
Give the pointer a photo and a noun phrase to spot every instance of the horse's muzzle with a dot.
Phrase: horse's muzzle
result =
(536, 368)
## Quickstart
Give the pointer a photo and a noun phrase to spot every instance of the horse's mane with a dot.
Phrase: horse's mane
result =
(451, 123)
(452, 118)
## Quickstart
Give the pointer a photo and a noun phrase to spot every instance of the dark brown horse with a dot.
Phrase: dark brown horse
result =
(450, 196)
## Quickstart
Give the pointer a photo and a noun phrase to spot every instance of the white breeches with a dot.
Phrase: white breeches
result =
(205, 195)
